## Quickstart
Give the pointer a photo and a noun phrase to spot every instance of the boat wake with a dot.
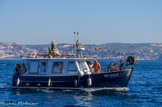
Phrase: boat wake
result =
(123, 89)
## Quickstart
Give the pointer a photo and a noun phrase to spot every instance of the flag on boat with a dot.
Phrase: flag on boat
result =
(96, 48)
(82, 45)
(123, 54)
(100, 49)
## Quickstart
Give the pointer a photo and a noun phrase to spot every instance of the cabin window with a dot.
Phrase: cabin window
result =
(57, 67)
(42, 67)
(72, 66)
(34, 67)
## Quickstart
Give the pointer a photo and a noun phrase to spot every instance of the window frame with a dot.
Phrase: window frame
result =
(53, 67)
(31, 68)
(45, 67)
(72, 70)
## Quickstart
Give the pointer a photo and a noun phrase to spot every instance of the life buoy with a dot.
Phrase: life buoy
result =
(131, 60)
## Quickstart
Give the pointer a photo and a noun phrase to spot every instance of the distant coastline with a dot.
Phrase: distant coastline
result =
(143, 51)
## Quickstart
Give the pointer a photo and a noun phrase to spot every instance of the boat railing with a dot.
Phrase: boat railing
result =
(123, 70)
(54, 56)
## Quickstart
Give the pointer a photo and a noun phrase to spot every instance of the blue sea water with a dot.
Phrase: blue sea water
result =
(144, 90)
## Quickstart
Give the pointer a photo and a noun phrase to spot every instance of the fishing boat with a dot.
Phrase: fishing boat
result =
(56, 71)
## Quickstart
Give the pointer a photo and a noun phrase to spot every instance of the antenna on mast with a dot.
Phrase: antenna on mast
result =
(77, 36)
(77, 46)
(74, 37)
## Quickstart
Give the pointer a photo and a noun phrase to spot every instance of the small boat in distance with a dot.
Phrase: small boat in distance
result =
(56, 71)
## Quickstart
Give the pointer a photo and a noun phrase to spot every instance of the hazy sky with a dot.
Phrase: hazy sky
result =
(97, 21)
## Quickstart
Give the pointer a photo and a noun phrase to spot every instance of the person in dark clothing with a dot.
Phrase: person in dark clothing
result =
(18, 69)
(121, 66)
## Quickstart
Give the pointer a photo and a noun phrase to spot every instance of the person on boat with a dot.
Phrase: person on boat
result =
(18, 69)
(121, 66)
(23, 69)
(91, 66)
(43, 68)
(97, 67)
(116, 68)
(48, 50)
(110, 67)
(54, 50)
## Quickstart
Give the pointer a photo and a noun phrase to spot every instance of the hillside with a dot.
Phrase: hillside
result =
(147, 51)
